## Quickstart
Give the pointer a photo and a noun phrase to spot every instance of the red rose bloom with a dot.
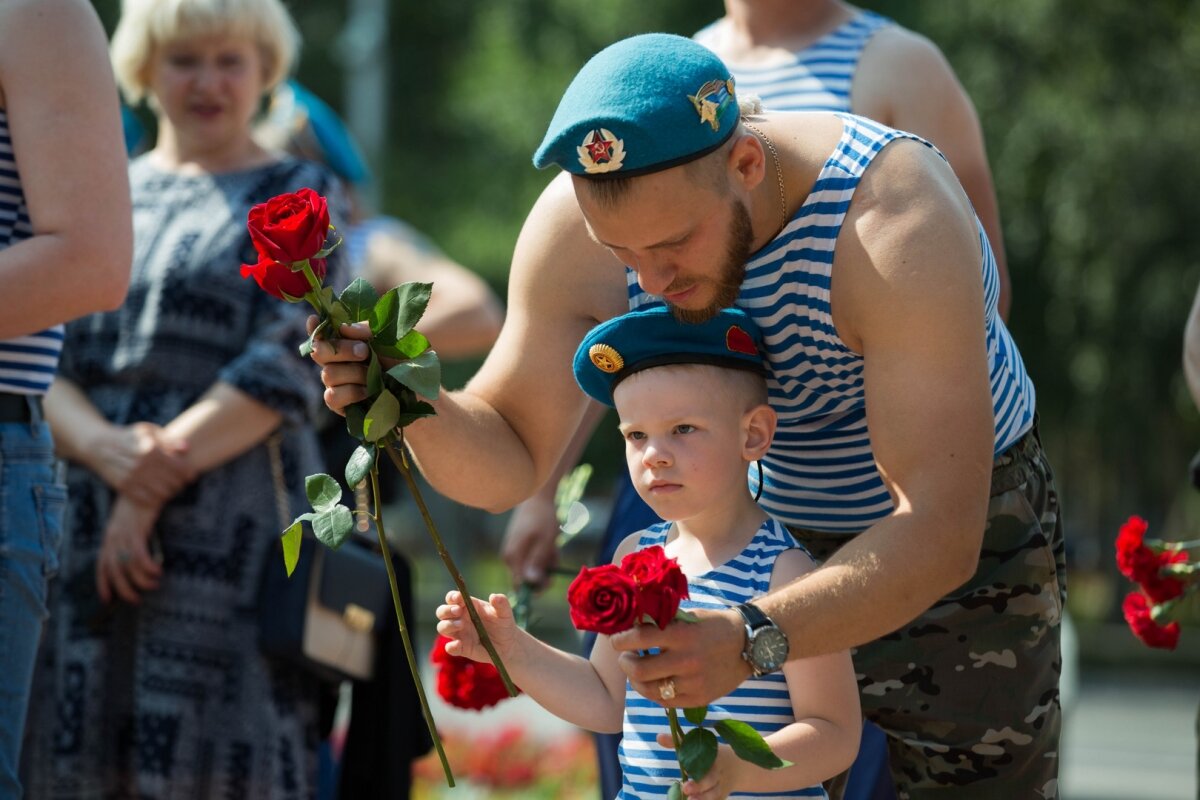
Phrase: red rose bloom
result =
(464, 683)
(603, 599)
(661, 583)
(1137, 614)
(278, 279)
(290, 227)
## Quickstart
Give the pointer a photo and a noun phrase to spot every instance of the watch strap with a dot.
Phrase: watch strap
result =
(753, 616)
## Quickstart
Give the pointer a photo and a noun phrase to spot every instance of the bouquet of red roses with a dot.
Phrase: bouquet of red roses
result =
(291, 235)
(1166, 574)
(649, 587)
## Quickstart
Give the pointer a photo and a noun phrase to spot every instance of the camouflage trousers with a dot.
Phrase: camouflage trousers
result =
(967, 693)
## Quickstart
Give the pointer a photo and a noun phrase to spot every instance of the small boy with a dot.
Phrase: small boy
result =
(692, 402)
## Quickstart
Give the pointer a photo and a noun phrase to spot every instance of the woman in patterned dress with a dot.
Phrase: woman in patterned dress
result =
(151, 683)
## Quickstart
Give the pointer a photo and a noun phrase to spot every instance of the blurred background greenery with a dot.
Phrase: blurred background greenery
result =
(1091, 117)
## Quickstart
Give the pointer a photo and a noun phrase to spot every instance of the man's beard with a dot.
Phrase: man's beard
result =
(728, 283)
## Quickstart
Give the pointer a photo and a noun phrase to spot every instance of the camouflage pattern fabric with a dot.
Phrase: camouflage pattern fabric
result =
(967, 693)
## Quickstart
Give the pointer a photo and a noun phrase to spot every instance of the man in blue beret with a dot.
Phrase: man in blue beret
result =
(906, 417)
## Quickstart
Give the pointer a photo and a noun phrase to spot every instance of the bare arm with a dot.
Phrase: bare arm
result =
(908, 297)
(224, 423)
(58, 91)
(905, 81)
(464, 314)
(494, 443)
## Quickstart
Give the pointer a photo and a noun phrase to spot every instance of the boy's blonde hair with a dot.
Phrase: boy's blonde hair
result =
(147, 24)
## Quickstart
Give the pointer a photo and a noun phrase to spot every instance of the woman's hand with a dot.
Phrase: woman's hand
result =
(125, 565)
(343, 365)
(139, 461)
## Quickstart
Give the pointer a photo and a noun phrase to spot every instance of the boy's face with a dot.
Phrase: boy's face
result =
(685, 435)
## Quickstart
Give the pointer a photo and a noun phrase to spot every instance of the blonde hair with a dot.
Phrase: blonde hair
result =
(147, 24)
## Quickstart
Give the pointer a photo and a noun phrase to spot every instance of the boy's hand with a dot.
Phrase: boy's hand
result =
(497, 615)
(720, 779)
(344, 369)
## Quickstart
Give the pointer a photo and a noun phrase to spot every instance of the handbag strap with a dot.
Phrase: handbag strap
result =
(282, 507)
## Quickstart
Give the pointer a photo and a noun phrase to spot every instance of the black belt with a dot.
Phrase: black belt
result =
(19, 407)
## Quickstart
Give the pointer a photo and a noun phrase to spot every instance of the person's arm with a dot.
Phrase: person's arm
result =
(529, 546)
(1191, 350)
(57, 88)
(904, 81)
(587, 693)
(464, 315)
(823, 740)
(494, 443)
(909, 298)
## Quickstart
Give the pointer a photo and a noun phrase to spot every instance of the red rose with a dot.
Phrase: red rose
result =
(603, 599)
(661, 583)
(464, 683)
(279, 280)
(1137, 614)
(1159, 587)
(1131, 552)
(290, 227)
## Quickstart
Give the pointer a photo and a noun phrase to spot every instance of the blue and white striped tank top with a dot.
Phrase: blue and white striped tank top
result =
(649, 769)
(27, 363)
(817, 78)
(820, 473)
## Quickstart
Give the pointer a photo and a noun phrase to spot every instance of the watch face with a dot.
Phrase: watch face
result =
(769, 649)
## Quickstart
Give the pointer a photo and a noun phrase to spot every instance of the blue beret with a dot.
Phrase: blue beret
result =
(641, 105)
(296, 112)
(652, 337)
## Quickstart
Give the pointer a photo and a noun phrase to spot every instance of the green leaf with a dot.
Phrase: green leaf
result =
(748, 745)
(359, 298)
(696, 715)
(415, 411)
(333, 526)
(374, 376)
(360, 463)
(356, 420)
(397, 312)
(307, 348)
(422, 374)
(676, 791)
(410, 346)
(577, 517)
(698, 752)
(323, 491)
(291, 546)
(383, 416)
(338, 315)
(685, 616)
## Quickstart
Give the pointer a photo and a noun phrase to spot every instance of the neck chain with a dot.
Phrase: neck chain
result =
(778, 174)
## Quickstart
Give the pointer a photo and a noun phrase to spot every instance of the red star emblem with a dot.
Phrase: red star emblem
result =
(599, 149)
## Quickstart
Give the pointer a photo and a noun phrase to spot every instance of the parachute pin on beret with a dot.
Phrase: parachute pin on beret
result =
(652, 337)
(641, 105)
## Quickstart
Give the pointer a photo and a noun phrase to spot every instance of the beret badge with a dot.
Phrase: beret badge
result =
(601, 151)
(710, 99)
(606, 358)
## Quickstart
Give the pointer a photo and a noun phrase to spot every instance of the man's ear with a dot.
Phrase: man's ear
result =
(759, 425)
(748, 160)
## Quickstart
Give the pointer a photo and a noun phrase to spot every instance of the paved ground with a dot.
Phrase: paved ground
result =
(1132, 736)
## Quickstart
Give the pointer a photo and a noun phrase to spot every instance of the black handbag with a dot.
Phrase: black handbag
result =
(327, 617)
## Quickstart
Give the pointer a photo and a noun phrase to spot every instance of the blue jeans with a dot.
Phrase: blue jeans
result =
(32, 500)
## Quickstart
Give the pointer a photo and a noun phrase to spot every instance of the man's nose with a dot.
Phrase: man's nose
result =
(655, 275)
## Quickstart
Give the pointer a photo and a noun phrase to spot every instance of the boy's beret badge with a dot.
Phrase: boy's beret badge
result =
(711, 99)
(606, 358)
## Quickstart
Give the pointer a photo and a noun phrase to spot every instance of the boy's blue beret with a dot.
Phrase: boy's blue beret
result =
(652, 337)
(641, 105)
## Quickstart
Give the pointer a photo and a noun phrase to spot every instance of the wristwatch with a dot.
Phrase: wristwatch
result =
(766, 645)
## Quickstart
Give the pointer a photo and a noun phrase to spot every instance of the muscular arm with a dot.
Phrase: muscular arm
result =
(904, 81)
(496, 441)
(907, 295)
(58, 91)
